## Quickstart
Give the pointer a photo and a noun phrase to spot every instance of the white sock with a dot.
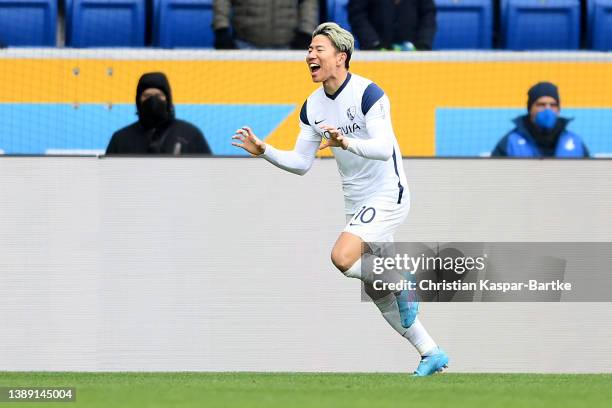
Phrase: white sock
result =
(419, 338)
(355, 270)
(368, 276)
(415, 334)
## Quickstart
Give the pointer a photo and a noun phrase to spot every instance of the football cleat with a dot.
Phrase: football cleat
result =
(436, 362)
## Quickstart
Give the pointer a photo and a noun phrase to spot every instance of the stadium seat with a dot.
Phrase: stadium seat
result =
(541, 24)
(105, 23)
(28, 23)
(337, 11)
(183, 23)
(599, 27)
(464, 24)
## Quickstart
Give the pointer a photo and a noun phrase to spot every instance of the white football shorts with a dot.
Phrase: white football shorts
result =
(377, 219)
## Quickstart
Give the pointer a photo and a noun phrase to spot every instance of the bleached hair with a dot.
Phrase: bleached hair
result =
(342, 39)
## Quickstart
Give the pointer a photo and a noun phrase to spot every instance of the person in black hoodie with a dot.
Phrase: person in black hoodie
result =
(157, 131)
(393, 24)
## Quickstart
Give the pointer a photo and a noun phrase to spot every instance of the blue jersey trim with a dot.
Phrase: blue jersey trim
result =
(344, 84)
(399, 182)
(303, 115)
(371, 95)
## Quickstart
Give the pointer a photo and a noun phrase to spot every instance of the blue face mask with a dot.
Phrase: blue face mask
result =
(546, 119)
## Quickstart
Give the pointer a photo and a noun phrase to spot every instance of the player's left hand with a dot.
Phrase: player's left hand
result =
(247, 140)
(334, 138)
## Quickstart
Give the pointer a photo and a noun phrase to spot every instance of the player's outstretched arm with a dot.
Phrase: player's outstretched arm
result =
(297, 161)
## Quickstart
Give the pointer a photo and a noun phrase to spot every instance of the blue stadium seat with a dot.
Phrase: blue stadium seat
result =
(599, 27)
(105, 23)
(183, 23)
(464, 24)
(541, 24)
(28, 23)
(337, 11)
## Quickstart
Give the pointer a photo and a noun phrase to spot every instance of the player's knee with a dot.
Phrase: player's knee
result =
(342, 260)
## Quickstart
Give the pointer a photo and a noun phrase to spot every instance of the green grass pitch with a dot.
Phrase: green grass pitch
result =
(270, 390)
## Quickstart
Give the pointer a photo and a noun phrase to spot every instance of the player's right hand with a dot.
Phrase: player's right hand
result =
(334, 138)
(248, 141)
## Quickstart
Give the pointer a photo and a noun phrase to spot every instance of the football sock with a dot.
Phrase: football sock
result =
(368, 276)
(415, 334)
(355, 272)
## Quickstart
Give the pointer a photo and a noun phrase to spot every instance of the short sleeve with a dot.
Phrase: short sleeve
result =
(304, 113)
(371, 95)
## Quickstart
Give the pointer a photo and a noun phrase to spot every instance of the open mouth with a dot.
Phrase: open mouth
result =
(314, 67)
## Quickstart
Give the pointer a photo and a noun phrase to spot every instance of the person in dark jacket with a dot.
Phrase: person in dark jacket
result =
(541, 132)
(393, 24)
(157, 131)
(264, 24)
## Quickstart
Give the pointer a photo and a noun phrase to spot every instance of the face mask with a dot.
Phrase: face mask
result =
(153, 111)
(546, 119)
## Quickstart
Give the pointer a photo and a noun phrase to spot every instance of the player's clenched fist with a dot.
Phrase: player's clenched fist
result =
(334, 138)
(248, 141)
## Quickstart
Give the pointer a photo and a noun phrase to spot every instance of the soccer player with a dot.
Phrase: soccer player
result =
(353, 115)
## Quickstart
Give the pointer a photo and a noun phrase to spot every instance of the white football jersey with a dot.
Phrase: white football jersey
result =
(356, 106)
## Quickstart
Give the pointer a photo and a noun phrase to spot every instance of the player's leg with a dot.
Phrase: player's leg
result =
(350, 257)
(374, 225)
(347, 256)
(346, 253)
(433, 358)
(415, 334)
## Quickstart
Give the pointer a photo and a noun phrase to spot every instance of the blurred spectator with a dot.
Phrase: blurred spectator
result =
(277, 24)
(393, 24)
(322, 11)
(541, 132)
(157, 131)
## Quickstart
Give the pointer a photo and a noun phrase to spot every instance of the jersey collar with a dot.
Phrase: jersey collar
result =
(335, 95)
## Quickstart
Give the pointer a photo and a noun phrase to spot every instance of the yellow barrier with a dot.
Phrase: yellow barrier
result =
(415, 87)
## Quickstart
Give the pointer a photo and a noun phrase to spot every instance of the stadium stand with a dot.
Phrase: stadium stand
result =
(183, 23)
(541, 25)
(599, 31)
(464, 24)
(105, 23)
(28, 23)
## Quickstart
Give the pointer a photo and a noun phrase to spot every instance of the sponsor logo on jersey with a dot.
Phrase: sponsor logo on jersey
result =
(344, 130)
(348, 129)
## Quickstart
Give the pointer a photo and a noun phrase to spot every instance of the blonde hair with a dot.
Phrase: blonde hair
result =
(342, 39)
